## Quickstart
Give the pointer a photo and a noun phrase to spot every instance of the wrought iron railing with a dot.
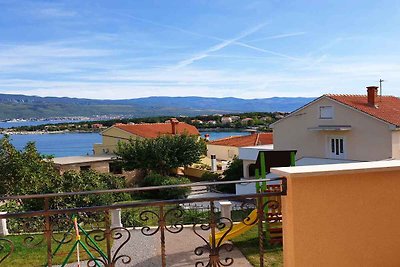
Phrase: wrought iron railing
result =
(166, 217)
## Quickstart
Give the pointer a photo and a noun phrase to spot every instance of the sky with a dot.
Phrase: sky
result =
(234, 48)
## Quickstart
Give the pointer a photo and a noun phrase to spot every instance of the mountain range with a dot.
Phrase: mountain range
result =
(28, 107)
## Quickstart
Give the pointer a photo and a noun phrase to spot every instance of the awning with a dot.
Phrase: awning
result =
(331, 128)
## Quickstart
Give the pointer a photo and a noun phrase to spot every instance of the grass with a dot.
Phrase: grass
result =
(247, 243)
(24, 256)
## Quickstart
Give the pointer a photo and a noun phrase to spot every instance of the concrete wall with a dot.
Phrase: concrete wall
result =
(342, 215)
(369, 139)
(97, 166)
(222, 152)
(110, 139)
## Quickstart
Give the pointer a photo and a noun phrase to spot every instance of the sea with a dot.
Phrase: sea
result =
(76, 144)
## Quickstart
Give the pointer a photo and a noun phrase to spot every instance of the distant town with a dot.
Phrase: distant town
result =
(252, 121)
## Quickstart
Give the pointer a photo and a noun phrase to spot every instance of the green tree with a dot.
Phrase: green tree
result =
(233, 173)
(26, 171)
(89, 181)
(161, 154)
(155, 179)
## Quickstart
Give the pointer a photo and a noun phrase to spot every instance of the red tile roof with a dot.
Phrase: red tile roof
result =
(246, 140)
(388, 107)
(153, 130)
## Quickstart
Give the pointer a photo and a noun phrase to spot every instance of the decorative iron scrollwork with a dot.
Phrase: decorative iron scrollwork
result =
(212, 247)
(117, 233)
(145, 216)
(174, 214)
(6, 249)
(30, 241)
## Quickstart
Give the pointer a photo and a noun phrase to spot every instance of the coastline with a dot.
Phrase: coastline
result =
(201, 130)
(43, 132)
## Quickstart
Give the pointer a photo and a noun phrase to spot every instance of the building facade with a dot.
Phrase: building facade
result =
(350, 127)
(226, 149)
(124, 132)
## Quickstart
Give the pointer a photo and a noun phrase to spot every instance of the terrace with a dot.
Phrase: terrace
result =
(332, 215)
(105, 242)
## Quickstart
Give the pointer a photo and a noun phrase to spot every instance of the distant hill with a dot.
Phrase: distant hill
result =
(22, 106)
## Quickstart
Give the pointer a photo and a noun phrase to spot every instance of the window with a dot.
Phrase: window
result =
(336, 147)
(326, 112)
(115, 167)
(85, 168)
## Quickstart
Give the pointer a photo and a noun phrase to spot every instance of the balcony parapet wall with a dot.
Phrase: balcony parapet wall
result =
(342, 214)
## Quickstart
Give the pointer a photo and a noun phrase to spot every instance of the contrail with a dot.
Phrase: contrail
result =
(205, 36)
(218, 47)
(279, 36)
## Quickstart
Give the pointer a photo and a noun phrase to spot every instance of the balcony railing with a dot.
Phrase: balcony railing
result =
(108, 245)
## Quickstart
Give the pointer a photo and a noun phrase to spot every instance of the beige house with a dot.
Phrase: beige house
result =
(82, 163)
(226, 149)
(350, 127)
(124, 132)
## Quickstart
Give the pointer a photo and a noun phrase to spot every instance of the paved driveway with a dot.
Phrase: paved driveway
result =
(145, 251)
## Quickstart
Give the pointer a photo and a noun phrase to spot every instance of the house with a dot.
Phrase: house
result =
(226, 120)
(226, 149)
(351, 127)
(235, 118)
(247, 120)
(124, 132)
(97, 125)
(197, 121)
(102, 164)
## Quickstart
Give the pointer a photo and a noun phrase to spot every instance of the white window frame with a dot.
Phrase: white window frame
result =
(333, 155)
(326, 118)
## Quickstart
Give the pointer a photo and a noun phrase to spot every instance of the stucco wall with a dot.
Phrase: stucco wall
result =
(344, 219)
(110, 139)
(396, 144)
(369, 139)
(222, 152)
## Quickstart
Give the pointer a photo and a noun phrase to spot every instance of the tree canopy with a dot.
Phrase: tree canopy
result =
(161, 154)
(26, 172)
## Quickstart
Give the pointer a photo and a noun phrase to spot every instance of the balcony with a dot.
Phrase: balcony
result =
(181, 232)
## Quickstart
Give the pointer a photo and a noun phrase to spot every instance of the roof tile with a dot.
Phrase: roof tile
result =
(246, 140)
(388, 107)
(153, 130)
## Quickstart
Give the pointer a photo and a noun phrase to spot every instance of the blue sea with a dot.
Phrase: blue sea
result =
(77, 144)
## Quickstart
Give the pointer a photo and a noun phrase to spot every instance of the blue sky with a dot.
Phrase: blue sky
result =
(247, 49)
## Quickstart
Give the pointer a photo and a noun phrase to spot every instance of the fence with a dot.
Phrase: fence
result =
(52, 227)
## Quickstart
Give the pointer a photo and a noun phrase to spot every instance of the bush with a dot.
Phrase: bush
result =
(88, 181)
(233, 173)
(191, 216)
(159, 180)
(131, 218)
(210, 176)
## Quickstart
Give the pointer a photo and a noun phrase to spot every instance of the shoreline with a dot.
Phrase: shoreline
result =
(43, 132)
(216, 130)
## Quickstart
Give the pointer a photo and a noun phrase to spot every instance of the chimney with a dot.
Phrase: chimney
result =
(174, 125)
(372, 93)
